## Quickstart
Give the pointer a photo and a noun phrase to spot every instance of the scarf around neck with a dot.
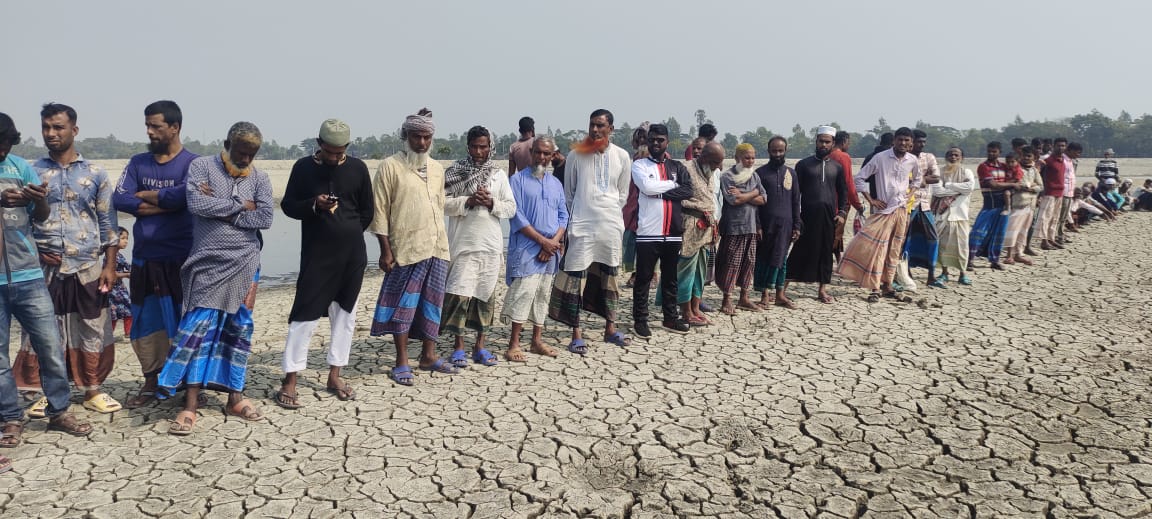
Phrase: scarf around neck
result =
(464, 177)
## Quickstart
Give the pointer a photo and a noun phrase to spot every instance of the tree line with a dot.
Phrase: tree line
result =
(1128, 136)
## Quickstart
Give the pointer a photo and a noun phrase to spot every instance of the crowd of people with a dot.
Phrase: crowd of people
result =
(577, 221)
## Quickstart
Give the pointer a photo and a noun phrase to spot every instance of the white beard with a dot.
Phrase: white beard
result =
(740, 168)
(415, 160)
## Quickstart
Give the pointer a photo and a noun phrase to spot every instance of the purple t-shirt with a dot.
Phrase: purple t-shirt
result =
(160, 237)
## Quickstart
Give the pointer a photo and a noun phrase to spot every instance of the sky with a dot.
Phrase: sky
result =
(287, 65)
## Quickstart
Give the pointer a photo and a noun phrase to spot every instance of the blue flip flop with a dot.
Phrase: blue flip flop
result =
(402, 375)
(441, 367)
(459, 359)
(578, 347)
(618, 339)
(485, 357)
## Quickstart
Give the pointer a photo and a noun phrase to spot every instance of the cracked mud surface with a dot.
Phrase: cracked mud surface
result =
(845, 410)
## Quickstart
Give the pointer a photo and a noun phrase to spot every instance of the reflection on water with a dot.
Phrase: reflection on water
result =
(280, 259)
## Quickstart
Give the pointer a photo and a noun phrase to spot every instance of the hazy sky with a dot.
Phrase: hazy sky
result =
(286, 65)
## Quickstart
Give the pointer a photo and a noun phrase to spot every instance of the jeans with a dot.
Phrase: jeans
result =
(29, 303)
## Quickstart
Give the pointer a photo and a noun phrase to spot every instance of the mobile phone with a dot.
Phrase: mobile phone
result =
(333, 198)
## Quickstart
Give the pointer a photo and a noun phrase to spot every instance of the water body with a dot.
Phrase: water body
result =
(280, 259)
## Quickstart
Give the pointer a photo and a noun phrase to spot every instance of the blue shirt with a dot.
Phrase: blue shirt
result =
(539, 203)
(21, 261)
(81, 221)
(165, 236)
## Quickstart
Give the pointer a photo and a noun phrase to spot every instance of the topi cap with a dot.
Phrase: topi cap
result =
(335, 132)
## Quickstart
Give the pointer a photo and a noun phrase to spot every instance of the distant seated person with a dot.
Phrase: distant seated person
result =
(1102, 194)
(1084, 209)
(1107, 167)
(1142, 199)
(1125, 193)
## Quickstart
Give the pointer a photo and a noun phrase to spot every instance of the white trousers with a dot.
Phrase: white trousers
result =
(300, 336)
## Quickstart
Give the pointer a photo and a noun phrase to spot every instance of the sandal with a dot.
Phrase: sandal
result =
(39, 409)
(5, 464)
(12, 433)
(441, 367)
(343, 393)
(578, 347)
(826, 299)
(401, 375)
(68, 423)
(936, 283)
(485, 357)
(898, 297)
(515, 355)
(874, 297)
(785, 303)
(142, 398)
(965, 280)
(244, 409)
(459, 359)
(183, 424)
(542, 349)
(102, 403)
(618, 339)
(698, 321)
(286, 400)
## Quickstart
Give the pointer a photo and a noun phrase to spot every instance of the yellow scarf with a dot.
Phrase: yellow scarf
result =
(231, 168)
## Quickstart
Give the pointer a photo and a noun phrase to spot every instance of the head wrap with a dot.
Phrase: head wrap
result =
(826, 130)
(1109, 151)
(1109, 181)
(419, 123)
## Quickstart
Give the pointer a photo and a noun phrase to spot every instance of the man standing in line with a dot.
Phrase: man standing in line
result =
(331, 194)
(231, 201)
(24, 296)
(478, 197)
(153, 188)
(81, 227)
(535, 244)
(409, 224)
(1071, 158)
(661, 184)
(1048, 204)
(700, 232)
(520, 153)
(823, 205)
(923, 242)
(780, 225)
(706, 134)
(870, 258)
(841, 156)
(597, 174)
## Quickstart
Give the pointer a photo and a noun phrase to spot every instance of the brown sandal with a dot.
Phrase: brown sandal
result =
(5, 464)
(515, 355)
(141, 399)
(343, 393)
(286, 400)
(542, 349)
(67, 423)
(12, 433)
(244, 409)
(183, 424)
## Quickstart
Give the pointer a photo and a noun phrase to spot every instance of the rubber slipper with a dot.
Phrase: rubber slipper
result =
(937, 284)
(618, 339)
(965, 280)
(141, 399)
(578, 347)
(441, 367)
(39, 409)
(67, 423)
(459, 359)
(102, 403)
(13, 433)
(873, 297)
(343, 393)
(244, 409)
(5, 464)
(485, 357)
(286, 400)
(401, 375)
(183, 424)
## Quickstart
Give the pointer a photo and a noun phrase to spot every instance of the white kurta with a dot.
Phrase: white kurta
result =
(596, 187)
(476, 242)
(962, 189)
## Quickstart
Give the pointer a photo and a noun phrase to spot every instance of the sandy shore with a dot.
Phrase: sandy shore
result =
(1026, 394)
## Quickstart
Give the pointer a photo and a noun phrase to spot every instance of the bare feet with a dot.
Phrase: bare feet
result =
(783, 301)
(745, 304)
(1023, 261)
(727, 308)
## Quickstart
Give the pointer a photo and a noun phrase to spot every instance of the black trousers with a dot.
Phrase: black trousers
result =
(647, 255)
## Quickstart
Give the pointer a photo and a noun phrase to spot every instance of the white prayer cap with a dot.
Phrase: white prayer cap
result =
(826, 130)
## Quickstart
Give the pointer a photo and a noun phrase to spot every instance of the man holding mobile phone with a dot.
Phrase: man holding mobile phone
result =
(331, 194)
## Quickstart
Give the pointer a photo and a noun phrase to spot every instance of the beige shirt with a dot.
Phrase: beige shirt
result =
(410, 210)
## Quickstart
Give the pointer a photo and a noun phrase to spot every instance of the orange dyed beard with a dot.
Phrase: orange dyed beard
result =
(590, 145)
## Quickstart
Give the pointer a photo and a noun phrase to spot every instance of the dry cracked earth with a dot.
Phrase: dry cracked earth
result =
(1025, 395)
